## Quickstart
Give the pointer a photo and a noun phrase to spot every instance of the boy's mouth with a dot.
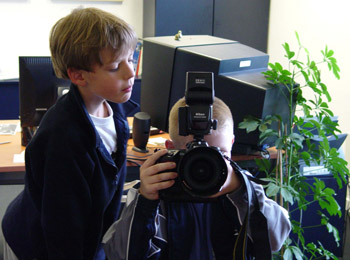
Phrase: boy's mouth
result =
(128, 89)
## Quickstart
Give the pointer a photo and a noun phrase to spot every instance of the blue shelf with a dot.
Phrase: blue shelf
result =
(9, 99)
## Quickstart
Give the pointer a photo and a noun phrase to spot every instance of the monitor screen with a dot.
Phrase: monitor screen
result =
(39, 89)
(238, 80)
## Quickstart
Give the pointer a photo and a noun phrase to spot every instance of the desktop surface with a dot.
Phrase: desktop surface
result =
(11, 146)
(13, 172)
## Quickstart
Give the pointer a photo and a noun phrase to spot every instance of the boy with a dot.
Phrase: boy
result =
(76, 161)
(150, 228)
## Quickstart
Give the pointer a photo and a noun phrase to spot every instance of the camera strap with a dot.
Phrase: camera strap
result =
(261, 248)
(236, 167)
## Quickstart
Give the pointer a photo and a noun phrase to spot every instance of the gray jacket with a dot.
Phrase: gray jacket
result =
(152, 229)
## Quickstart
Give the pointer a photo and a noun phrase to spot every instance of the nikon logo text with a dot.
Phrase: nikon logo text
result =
(200, 81)
(200, 114)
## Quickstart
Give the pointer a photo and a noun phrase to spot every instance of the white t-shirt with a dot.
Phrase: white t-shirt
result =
(106, 128)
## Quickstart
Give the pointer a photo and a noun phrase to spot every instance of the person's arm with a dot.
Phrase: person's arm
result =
(65, 199)
(132, 236)
(278, 222)
(232, 183)
(140, 233)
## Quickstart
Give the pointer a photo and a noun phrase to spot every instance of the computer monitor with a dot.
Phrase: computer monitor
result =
(238, 80)
(39, 89)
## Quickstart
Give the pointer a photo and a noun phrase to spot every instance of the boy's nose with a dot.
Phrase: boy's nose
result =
(129, 71)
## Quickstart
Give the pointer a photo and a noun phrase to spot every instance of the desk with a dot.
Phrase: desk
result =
(10, 172)
(13, 173)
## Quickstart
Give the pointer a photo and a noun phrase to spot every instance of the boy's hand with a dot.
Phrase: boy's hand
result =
(232, 182)
(151, 180)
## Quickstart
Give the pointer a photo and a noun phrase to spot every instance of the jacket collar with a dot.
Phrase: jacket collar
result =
(120, 112)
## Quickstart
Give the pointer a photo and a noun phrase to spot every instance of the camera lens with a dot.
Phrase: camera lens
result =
(203, 171)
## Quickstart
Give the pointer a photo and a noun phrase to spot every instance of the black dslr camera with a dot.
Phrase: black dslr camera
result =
(201, 168)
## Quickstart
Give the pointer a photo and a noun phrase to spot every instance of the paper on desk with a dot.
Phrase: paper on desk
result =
(129, 185)
(157, 141)
(8, 129)
(18, 158)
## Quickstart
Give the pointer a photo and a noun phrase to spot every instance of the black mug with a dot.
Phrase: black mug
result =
(140, 131)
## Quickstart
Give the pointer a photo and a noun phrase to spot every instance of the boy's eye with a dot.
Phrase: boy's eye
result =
(114, 69)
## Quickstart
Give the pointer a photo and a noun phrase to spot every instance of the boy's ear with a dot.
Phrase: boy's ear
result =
(76, 76)
(169, 144)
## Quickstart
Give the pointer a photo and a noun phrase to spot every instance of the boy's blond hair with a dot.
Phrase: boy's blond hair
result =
(221, 113)
(77, 39)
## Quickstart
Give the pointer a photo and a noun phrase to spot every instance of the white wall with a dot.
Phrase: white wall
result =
(25, 25)
(318, 23)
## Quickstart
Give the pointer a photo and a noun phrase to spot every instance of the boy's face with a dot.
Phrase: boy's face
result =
(113, 80)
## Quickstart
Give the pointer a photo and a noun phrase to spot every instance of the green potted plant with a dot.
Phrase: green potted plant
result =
(309, 119)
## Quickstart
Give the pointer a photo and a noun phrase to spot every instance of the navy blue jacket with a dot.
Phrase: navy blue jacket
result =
(73, 187)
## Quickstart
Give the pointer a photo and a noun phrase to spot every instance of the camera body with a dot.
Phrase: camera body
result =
(201, 168)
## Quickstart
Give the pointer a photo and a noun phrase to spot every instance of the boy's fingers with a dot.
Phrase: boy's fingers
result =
(164, 185)
(156, 176)
(154, 188)
(161, 167)
(152, 160)
(150, 167)
(162, 177)
(151, 191)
